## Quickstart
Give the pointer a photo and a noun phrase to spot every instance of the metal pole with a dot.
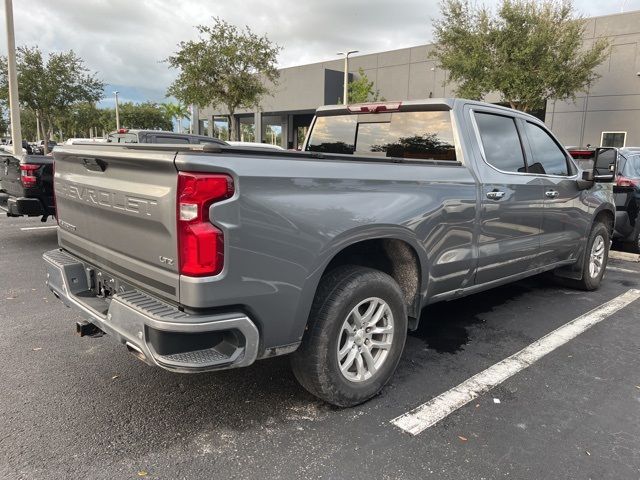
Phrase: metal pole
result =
(117, 112)
(345, 93)
(14, 104)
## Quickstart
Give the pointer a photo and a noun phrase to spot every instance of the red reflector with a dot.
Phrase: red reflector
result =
(375, 107)
(28, 175)
(200, 244)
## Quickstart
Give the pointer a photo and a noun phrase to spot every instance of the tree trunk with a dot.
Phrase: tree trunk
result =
(233, 132)
(43, 131)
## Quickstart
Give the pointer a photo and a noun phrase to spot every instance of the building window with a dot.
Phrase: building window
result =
(221, 128)
(613, 139)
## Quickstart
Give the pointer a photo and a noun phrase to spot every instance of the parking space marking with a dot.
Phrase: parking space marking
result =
(2, 208)
(48, 227)
(632, 257)
(440, 407)
(622, 270)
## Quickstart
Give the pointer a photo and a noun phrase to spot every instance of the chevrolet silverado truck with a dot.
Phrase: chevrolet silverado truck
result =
(26, 185)
(208, 257)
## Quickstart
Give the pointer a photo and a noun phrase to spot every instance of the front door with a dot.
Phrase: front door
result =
(566, 219)
(511, 200)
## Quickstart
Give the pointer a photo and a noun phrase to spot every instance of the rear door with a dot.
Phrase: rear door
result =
(117, 210)
(566, 218)
(511, 200)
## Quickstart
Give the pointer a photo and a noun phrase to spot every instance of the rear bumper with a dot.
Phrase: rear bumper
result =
(19, 206)
(158, 333)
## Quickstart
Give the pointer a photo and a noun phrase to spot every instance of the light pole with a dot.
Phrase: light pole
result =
(345, 95)
(14, 105)
(117, 112)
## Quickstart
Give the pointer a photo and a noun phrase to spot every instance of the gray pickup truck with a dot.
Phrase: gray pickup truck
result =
(209, 257)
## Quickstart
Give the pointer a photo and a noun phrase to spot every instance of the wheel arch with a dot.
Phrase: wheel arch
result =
(393, 251)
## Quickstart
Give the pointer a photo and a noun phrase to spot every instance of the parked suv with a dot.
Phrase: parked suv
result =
(627, 197)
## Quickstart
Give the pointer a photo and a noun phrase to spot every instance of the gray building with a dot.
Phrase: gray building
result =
(608, 114)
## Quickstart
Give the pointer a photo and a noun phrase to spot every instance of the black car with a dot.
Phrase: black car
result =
(627, 195)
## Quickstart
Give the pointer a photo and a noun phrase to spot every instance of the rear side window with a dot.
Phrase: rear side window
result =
(416, 135)
(547, 157)
(500, 142)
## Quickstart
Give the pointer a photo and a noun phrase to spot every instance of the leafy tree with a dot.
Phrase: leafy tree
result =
(224, 66)
(145, 115)
(49, 88)
(80, 119)
(28, 124)
(361, 90)
(176, 111)
(532, 50)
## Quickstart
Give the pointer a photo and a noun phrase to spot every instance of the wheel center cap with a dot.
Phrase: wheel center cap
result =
(359, 337)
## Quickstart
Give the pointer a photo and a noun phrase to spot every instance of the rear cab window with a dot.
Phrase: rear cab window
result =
(123, 138)
(422, 135)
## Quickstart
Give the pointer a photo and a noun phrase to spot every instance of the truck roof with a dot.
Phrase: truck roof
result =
(447, 103)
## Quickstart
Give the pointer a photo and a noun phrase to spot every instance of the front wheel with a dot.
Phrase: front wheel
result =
(355, 336)
(595, 259)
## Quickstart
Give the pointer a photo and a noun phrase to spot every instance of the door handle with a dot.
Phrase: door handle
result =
(552, 194)
(495, 195)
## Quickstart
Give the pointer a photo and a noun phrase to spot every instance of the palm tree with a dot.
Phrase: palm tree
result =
(177, 112)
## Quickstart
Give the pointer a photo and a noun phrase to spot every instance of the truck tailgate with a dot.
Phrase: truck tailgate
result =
(117, 210)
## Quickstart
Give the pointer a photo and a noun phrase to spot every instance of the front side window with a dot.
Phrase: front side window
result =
(547, 157)
(500, 142)
(417, 135)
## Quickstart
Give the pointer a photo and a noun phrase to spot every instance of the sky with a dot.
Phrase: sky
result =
(125, 41)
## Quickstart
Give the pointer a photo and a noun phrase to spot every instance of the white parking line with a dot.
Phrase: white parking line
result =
(48, 227)
(438, 408)
(623, 270)
(632, 257)
(2, 208)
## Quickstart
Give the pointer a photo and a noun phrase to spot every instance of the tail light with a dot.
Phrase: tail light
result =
(200, 244)
(28, 175)
(627, 182)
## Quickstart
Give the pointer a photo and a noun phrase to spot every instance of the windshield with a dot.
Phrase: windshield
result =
(419, 135)
(632, 166)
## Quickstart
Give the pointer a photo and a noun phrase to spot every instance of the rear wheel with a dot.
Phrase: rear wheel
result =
(355, 336)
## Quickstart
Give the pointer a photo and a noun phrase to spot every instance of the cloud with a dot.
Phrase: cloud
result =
(125, 41)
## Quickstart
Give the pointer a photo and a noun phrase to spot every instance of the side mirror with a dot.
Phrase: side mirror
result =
(605, 165)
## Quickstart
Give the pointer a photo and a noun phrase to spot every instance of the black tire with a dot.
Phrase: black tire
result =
(589, 282)
(634, 245)
(315, 364)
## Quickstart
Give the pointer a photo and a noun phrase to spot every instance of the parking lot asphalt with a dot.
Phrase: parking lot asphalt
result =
(73, 407)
